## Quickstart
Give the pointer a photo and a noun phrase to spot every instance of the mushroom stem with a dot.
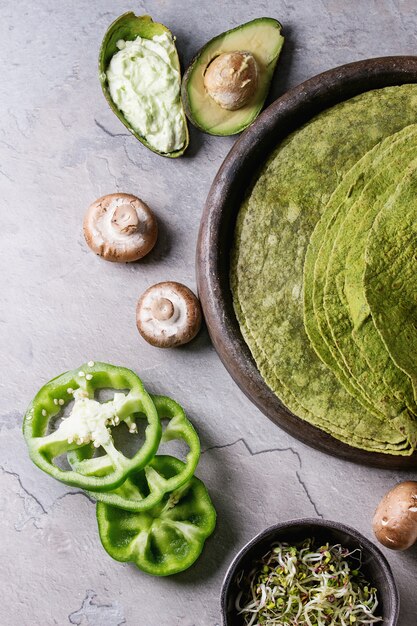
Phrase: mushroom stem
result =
(120, 227)
(162, 309)
(125, 219)
(168, 314)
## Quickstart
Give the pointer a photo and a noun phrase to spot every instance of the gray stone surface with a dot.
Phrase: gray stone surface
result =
(60, 148)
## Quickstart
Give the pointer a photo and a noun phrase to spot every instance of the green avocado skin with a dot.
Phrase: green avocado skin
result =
(273, 231)
(215, 47)
(127, 27)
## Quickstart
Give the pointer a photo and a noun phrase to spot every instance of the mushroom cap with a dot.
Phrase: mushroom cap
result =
(168, 314)
(231, 79)
(395, 519)
(120, 227)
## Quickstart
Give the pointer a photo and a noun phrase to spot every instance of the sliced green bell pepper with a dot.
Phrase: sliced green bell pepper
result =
(167, 538)
(103, 472)
(145, 488)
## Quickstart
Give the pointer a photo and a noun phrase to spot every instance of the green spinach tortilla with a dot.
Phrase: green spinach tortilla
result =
(317, 260)
(364, 331)
(345, 259)
(366, 432)
(391, 275)
(272, 234)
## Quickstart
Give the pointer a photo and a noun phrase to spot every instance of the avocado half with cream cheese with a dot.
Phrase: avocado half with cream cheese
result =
(225, 87)
(140, 74)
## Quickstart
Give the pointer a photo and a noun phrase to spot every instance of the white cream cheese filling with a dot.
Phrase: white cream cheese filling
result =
(144, 82)
(89, 420)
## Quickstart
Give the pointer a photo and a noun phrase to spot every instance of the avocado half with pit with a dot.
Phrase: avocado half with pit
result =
(259, 40)
(128, 27)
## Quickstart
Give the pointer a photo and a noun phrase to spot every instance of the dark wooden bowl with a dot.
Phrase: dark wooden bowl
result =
(374, 564)
(286, 114)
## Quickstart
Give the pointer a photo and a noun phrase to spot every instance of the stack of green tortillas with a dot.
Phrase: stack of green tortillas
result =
(324, 270)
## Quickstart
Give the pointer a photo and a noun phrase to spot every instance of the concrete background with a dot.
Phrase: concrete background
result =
(60, 148)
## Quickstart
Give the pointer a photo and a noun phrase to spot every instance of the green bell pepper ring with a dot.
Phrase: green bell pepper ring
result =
(167, 538)
(143, 489)
(103, 472)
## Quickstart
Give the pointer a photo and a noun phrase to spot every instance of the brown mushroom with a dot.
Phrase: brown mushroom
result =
(120, 227)
(395, 519)
(168, 314)
(231, 79)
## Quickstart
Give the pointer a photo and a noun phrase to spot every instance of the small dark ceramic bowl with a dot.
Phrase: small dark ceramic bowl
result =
(374, 564)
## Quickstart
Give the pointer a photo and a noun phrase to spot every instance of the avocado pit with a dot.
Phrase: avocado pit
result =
(225, 85)
(231, 79)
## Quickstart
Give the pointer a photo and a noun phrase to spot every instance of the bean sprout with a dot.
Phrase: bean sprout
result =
(306, 585)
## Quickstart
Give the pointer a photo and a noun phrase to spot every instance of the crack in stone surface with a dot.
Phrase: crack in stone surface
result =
(113, 176)
(129, 158)
(252, 452)
(288, 449)
(95, 613)
(72, 493)
(108, 132)
(2, 173)
(36, 515)
(23, 488)
(313, 504)
(17, 124)
(140, 163)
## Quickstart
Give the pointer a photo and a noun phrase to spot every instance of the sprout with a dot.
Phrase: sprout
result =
(302, 585)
